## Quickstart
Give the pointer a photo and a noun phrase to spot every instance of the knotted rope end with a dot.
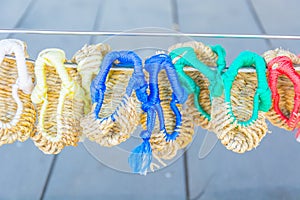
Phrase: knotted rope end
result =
(141, 158)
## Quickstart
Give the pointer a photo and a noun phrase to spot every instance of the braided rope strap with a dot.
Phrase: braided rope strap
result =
(116, 110)
(204, 83)
(283, 81)
(172, 116)
(236, 126)
(17, 116)
(88, 60)
(163, 144)
(288, 118)
(59, 98)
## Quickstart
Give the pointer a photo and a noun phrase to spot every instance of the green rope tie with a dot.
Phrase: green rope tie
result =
(186, 56)
(262, 99)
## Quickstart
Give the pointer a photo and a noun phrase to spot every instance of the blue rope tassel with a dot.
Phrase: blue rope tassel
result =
(141, 157)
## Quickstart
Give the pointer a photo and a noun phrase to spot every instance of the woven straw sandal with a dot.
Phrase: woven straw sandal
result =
(167, 133)
(116, 109)
(284, 82)
(60, 102)
(238, 116)
(192, 61)
(174, 127)
(88, 60)
(17, 118)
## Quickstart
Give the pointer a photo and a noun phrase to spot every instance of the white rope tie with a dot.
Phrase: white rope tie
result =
(23, 82)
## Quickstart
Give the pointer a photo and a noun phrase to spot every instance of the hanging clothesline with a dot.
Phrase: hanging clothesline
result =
(246, 69)
(152, 34)
(73, 99)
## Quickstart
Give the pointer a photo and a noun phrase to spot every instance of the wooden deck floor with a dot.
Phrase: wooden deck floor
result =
(269, 172)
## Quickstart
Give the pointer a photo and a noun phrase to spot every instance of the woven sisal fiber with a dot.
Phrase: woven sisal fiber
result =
(88, 60)
(120, 113)
(203, 52)
(206, 55)
(238, 124)
(204, 99)
(17, 116)
(285, 89)
(60, 102)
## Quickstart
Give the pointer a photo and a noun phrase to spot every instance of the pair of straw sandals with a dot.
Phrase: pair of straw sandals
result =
(78, 99)
(234, 103)
(44, 99)
(63, 93)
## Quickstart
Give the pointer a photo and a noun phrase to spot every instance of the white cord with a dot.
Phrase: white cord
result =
(24, 81)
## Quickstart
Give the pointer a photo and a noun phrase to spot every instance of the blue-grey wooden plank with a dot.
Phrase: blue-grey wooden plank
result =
(213, 16)
(76, 174)
(122, 16)
(132, 14)
(24, 168)
(23, 171)
(11, 11)
(281, 18)
(267, 172)
(59, 15)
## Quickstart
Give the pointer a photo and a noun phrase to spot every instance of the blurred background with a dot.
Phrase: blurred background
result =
(268, 172)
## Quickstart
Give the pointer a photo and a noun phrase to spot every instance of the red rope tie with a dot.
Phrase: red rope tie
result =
(282, 65)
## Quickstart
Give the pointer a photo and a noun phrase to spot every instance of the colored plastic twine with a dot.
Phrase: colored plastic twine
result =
(194, 82)
(60, 102)
(173, 118)
(141, 156)
(88, 60)
(116, 109)
(283, 65)
(236, 126)
(285, 89)
(17, 116)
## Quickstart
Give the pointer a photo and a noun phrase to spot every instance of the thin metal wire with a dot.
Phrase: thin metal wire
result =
(155, 34)
(150, 34)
